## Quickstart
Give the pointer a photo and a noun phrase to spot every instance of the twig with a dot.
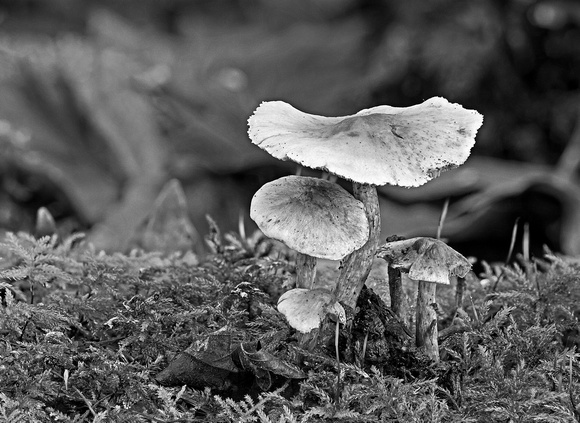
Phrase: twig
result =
(364, 348)
(509, 255)
(264, 400)
(448, 395)
(87, 402)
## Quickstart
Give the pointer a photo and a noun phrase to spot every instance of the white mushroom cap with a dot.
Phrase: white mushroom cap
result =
(426, 259)
(406, 146)
(313, 216)
(306, 308)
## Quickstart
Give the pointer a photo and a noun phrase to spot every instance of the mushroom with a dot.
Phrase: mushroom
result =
(45, 224)
(305, 309)
(405, 146)
(430, 262)
(317, 218)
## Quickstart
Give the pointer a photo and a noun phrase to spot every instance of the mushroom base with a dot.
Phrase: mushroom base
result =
(355, 267)
(426, 330)
(305, 271)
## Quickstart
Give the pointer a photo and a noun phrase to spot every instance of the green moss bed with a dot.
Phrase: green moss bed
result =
(94, 337)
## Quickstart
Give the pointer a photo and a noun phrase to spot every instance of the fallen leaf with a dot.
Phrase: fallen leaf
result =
(210, 367)
(251, 357)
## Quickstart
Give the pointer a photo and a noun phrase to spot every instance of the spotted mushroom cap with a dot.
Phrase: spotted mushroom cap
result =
(313, 216)
(426, 259)
(405, 146)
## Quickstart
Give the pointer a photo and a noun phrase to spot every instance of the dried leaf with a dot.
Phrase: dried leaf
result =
(250, 357)
(211, 367)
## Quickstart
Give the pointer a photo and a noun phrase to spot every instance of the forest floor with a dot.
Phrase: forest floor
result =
(95, 337)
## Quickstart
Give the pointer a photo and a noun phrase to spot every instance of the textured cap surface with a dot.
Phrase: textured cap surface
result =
(306, 308)
(313, 216)
(426, 259)
(405, 146)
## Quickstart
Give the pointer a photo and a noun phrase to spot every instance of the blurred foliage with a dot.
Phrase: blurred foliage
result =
(103, 102)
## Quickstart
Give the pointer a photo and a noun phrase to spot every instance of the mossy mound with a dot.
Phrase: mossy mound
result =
(89, 336)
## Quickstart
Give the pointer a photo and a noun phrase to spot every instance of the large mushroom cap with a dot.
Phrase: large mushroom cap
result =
(405, 146)
(313, 216)
(426, 259)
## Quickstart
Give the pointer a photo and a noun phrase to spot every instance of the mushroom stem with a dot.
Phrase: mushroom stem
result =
(399, 304)
(426, 330)
(305, 271)
(355, 268)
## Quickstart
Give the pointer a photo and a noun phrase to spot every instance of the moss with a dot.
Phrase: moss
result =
(85, 334)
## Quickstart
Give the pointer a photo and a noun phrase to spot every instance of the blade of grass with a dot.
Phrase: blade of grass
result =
(442, 218)
(509, 254)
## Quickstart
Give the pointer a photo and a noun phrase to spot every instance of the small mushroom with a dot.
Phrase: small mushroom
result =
(430, 262)
(305, 309)
(45, 224)
(405, 146)
(317, 218)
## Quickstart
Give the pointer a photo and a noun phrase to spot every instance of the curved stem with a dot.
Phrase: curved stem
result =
(355, 268)
(305, 271)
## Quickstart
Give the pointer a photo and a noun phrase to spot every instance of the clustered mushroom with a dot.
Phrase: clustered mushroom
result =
(430, 262)
(405, 146)
(315, 217)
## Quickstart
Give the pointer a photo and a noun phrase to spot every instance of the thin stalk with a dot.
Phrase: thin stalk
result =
(442, 218)
(509, 254)
(426, 328)
(399, 304)
(305, 271)
(338, 384)
(526, 242)
(355, 268)
(364, 348)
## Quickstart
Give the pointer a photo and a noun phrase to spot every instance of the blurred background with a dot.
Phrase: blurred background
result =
(103, 102)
